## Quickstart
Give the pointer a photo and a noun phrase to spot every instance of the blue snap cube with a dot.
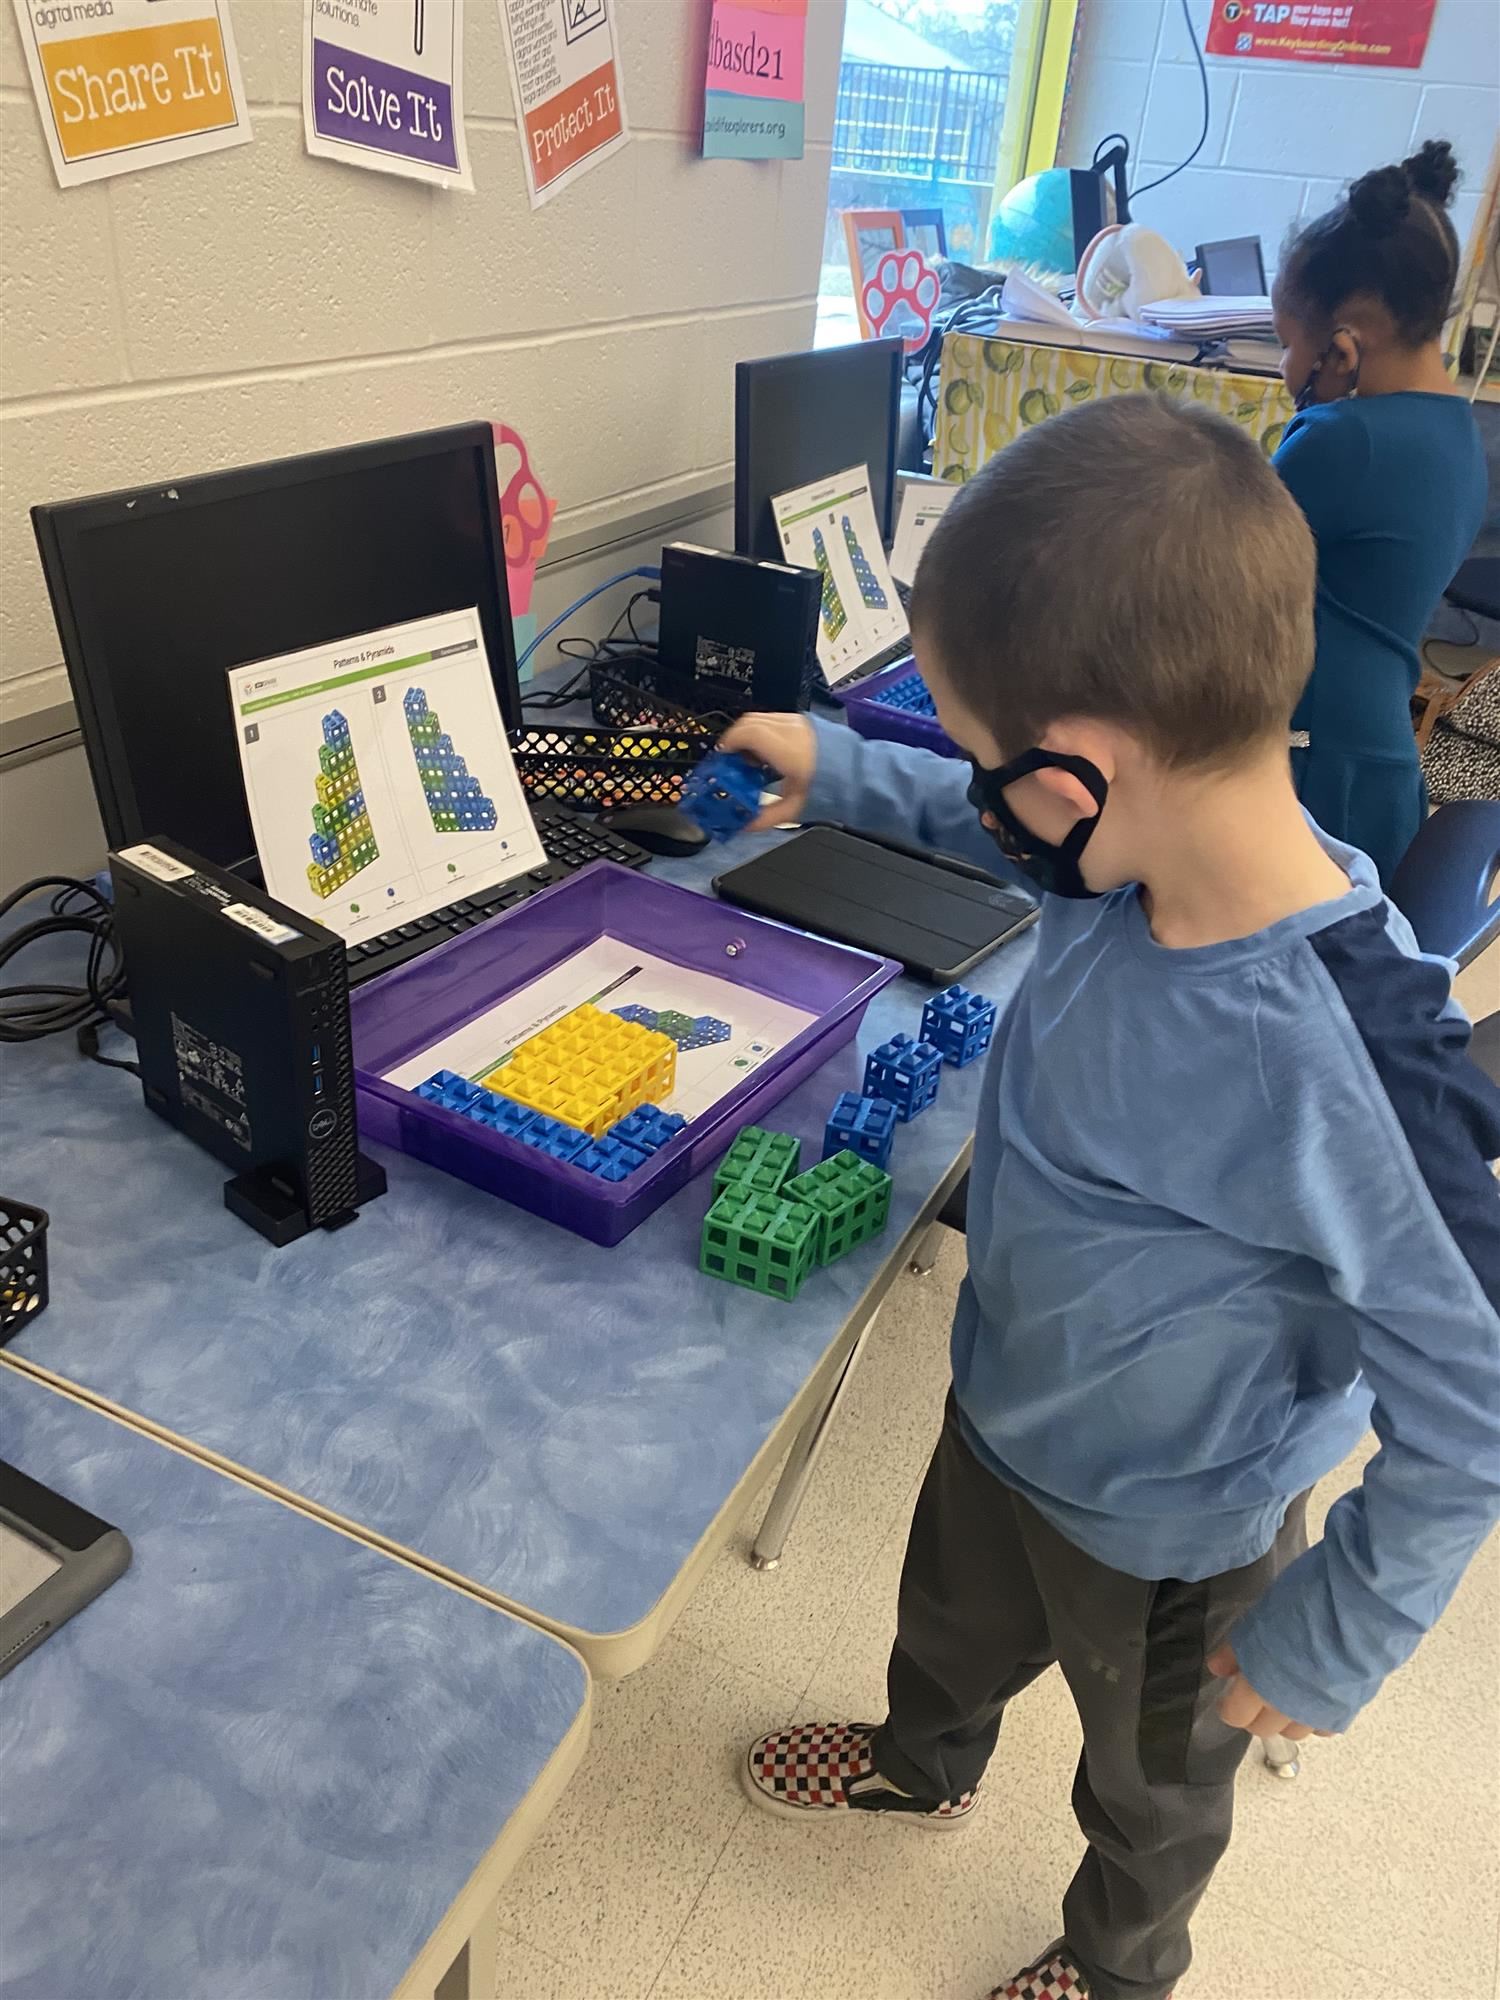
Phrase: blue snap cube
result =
(506, 1116)
(862, 1125)
(722, 794)
(960, 1024)
(610, 1159)
(552, 1137)
(905, 1073)
(430, 1092)
(647, 1128)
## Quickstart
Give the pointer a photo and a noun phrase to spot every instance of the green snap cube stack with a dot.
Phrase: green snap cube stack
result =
(761, 1241)
(761, 1161)
(851, 1198)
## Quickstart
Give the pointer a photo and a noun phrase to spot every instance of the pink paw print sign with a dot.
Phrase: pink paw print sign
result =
(900, 296)
(525, 515)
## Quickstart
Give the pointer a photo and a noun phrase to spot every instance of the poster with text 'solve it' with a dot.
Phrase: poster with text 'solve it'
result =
(122, 84)
(752, 105)
(382, 87)
(565, 74)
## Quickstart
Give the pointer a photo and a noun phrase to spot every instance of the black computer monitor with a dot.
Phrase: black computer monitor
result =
(158, 592)
(798, 417)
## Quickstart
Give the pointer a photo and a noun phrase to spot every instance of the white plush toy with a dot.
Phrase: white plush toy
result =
(1128, 266)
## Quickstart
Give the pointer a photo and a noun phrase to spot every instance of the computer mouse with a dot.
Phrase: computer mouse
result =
(659, 829)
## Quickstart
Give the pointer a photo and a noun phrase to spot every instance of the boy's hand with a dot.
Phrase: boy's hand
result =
(787, 743)
(1242, 1708)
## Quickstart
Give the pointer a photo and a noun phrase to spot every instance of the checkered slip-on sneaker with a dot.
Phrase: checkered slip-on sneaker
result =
(822, 1769)
(1053, 1977)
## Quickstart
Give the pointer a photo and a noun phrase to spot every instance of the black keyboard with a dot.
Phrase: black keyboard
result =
(900, 650)
(571, 843)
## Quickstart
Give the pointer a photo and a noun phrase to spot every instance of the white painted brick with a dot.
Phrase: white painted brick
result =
(1318, 124)
(1107, 96)
(12, 56)
(1199, 207)
(603, 412)
(268, 35)
(262, 256)
(125, 440)
(1175, 46)
(1464, 46)
(825, 52)
(664, 53)
(1174, 114)
(1123, 30)
(709, 227)
(61, 316)
(498, 268)
(486, 76)
(1467, 115)
(1465, 211)
(802, 212)
(1319, 196)
(740, 337)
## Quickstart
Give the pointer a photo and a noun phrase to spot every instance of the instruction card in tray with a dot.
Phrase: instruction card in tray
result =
(380, 783)
(830, 527)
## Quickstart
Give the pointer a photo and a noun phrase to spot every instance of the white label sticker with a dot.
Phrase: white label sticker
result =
(162, 866)
(260, 923)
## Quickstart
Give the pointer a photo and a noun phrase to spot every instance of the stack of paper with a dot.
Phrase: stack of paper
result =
(1212, 318)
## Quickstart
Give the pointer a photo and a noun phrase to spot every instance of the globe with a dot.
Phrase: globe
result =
(1034, 223)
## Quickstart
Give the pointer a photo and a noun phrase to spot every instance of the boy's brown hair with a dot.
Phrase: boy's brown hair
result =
(1136, 561)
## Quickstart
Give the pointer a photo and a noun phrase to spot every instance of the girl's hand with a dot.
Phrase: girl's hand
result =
(789, 745)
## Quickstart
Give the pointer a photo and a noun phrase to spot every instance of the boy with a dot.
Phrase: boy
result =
(1229, 1202)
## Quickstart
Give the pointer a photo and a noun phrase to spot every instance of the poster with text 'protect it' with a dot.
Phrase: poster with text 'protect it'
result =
(122, 84)
(382, 87)
(1383, 34)
(753, 97)
(565, 76)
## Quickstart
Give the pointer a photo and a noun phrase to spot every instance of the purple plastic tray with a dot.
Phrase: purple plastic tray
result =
(871, 714)
(407, 1010)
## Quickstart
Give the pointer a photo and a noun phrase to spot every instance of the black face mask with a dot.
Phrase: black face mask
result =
(1303, 399)
(1051, 866)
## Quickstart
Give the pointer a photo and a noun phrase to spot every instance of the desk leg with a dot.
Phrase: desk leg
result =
(1282, 1759)
(796, 1474)
(471, 1976)
(926, 1253)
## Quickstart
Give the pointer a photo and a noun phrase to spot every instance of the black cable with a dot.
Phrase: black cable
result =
(1172, 172)
(559, 697)
(30, 1012)
(1109, 139)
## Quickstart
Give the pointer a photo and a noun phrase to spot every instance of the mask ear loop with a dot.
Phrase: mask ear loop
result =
(1088, 775)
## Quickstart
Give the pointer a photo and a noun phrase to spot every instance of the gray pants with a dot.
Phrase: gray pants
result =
(991, 1596)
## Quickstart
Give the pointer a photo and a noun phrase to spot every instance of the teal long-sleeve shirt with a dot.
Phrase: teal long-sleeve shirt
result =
(1394, 489)
(1228, 1207)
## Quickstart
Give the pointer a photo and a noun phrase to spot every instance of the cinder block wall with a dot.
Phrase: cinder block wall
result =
(1284, 138)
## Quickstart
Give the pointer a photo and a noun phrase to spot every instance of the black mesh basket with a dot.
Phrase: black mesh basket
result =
(23, 1265)
(599, 769)
(637, 693)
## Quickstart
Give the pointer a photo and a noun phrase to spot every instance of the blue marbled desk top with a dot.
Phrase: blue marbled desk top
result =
(266, 1760)
(557, 1423)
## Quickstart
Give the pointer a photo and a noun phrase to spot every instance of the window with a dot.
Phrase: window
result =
(941, 103)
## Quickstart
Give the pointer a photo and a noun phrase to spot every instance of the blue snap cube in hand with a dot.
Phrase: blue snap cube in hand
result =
(960, 1024)
(905, 1073)
(722, 794)
(865, 1126)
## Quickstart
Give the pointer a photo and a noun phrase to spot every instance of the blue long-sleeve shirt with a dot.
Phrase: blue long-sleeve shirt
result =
(1229, 1206)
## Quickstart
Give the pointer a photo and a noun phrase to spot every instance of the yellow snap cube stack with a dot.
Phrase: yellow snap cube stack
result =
(590, 1069)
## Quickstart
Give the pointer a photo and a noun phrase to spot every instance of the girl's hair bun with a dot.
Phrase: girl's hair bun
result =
(1432, 172)
(1380, 201)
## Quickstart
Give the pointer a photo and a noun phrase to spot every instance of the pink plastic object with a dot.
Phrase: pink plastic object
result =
(525, 520)
(901, 296)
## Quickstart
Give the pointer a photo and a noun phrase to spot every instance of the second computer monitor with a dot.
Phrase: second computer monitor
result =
(800, 417)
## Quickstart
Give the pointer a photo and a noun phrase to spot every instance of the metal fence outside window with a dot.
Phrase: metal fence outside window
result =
(924, 124)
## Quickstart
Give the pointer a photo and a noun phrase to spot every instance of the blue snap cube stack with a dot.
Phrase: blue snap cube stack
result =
(910, 695)
(648, 1129)
(610, 1159)
(722, 794)
(865, 1126)
(960, 1024)
(625, 1147)
(552, 1137)
(905, 1073)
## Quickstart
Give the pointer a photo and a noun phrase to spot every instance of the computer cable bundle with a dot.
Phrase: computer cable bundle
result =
(32, 1011)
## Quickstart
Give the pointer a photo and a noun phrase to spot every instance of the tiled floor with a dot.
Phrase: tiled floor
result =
(1375, 1873)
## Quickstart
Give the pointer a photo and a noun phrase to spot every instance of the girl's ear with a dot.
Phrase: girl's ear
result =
(1342, 362)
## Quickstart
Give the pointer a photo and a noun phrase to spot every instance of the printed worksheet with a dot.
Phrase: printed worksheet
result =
(722, 1031)
(379, 779)
(922, 505)
(830, 527)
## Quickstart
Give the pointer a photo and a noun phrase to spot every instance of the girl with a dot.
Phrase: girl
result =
(1384, 459)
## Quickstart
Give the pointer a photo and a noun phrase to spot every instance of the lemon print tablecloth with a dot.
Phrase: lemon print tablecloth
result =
(992, 390)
